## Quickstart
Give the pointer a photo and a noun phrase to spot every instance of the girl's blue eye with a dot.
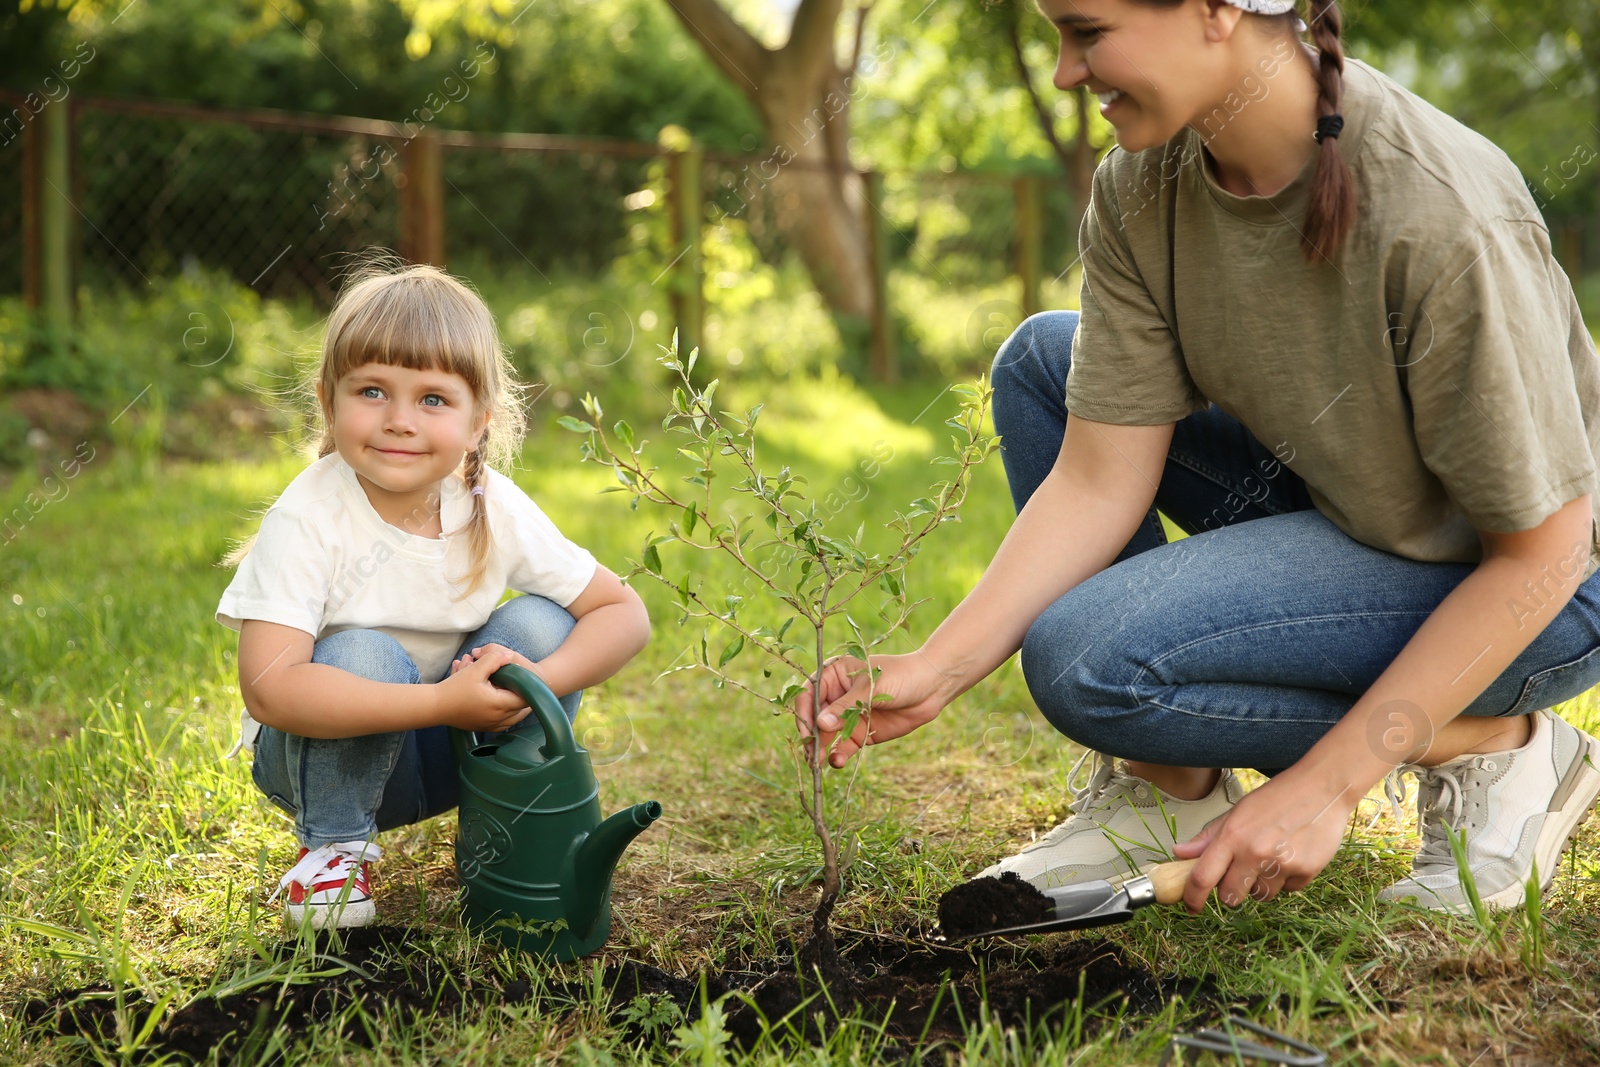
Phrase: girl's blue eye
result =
(370, 389)
(434, 396)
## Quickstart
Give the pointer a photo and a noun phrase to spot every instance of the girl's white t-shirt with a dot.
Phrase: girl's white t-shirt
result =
(325, 561)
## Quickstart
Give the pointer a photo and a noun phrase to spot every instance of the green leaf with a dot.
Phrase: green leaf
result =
(624, 433)
(847, 724)
(567, 422)
(734, 648)
(652, 559)
(690, 517)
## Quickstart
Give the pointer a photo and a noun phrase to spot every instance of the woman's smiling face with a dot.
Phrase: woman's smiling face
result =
(1147, 64)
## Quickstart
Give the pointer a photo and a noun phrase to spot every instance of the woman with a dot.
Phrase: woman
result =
(1323, 332)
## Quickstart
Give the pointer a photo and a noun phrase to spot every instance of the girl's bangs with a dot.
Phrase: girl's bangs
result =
(400, 323)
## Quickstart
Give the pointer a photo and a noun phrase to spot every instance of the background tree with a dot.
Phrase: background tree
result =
(803, 91)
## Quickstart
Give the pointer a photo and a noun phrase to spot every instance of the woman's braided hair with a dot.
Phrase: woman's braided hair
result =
(1333, 196)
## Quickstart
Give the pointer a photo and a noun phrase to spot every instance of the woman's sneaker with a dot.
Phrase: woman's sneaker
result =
(1121, 825)
(330, 886)
(1516, 809)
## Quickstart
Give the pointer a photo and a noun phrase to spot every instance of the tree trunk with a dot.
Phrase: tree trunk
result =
(818, 197)
(803, 99)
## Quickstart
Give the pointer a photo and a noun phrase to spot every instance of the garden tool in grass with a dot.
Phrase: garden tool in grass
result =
(1098, 903)
(1283, 1049)
(531, 849)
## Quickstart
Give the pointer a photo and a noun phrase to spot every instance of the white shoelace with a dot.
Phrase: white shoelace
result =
(1394, 791)
(337, 861)
(1092, 795)
(1440, 792)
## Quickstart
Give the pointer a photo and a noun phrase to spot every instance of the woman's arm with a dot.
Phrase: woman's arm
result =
(283, 689)
(1280, 836)
(1084, 513)
(612, 628)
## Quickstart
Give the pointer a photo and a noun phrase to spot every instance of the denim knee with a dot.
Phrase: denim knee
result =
(1081, 679)
(1037, 354)
(540, 625)
(370, 654)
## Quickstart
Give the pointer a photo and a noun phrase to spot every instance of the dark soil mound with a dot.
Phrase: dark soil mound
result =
(915, 988)
(381, 970)
(992, 904)
(918, 989)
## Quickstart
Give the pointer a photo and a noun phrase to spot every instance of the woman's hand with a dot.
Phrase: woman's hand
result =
(469, 701)
(1278, 837)
(916, 692)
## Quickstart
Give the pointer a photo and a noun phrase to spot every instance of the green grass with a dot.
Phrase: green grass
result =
(131, 854)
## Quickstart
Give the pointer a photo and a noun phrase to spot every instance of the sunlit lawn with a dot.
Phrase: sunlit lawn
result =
(132, 853)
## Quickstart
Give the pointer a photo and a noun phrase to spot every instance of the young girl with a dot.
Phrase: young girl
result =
(366, 605)
(1323, 332)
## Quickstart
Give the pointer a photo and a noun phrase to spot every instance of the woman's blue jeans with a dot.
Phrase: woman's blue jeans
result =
(349, 788)
(1240, 645)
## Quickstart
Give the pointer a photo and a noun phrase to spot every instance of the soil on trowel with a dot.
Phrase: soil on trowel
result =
(917, 991)
(992, 904)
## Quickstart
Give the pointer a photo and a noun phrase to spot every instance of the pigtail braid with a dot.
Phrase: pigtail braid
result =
(475, 472)
(1333, 200)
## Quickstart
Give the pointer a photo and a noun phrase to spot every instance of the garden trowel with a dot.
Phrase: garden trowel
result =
(1101, 903)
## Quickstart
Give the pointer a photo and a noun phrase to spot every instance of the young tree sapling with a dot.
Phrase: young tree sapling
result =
(799, 564)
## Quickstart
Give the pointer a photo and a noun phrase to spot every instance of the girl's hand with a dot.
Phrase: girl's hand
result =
(916, 694)
(469, 701)
(516, 657)
(1277, 838)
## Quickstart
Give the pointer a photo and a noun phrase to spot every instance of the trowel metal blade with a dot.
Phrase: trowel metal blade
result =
(1077, 907)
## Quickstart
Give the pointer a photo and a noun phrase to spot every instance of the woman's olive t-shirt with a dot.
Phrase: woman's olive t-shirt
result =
(1436, 380)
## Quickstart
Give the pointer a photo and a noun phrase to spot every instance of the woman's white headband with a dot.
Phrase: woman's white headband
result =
(1264, 7)
(1269, 7)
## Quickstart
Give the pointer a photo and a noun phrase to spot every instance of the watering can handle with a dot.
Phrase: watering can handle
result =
(558, 739)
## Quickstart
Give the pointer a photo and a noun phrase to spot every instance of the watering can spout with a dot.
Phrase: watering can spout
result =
(597, 856)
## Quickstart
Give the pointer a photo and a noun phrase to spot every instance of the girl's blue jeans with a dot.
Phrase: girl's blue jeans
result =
(349, 788)
(1240, 645)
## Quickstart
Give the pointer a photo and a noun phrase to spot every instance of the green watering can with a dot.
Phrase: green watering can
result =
(531, 850)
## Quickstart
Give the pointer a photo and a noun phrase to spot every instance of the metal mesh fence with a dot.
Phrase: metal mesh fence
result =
(579, 238)
(546, 210)
(271, 207)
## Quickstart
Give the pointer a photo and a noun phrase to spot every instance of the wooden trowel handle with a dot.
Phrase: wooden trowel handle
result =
(1169, 879)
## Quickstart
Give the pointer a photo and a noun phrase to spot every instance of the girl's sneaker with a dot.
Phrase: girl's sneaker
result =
(330, 886)
(1516, 810)
(1120, 825)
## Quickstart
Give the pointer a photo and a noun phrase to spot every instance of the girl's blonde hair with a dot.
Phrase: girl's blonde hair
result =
(420, 318)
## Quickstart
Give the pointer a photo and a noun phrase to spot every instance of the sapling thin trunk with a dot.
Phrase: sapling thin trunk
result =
(800, 567)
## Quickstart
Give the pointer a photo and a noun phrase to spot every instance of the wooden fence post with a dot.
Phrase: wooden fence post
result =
(686, 210)
(1030, 234)
(47, 222)
(883, 359)
(422, 200)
